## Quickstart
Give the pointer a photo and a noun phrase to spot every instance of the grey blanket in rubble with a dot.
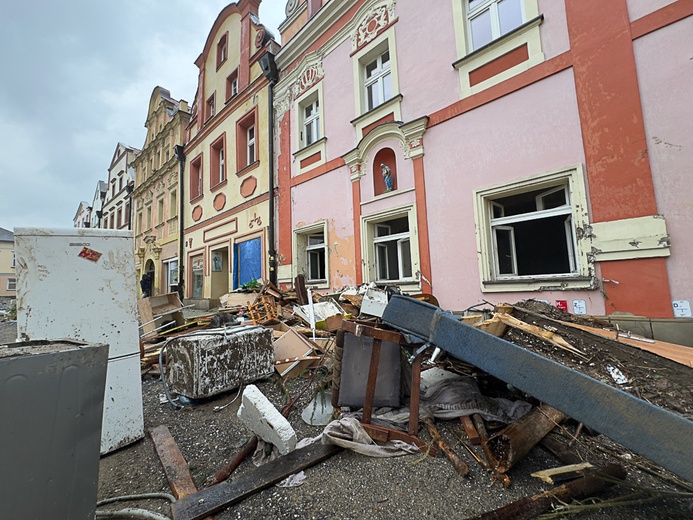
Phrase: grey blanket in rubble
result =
(452, 398)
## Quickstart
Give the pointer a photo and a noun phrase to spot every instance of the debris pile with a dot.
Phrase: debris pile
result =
(380, 365)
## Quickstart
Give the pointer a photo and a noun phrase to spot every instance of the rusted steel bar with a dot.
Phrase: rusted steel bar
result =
(457, 462)
(470, 430)
(513, 442)
(222, 474)
(529, 507)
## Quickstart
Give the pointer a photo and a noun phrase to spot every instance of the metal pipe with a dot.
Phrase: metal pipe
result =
(270, 226)
(180, 155)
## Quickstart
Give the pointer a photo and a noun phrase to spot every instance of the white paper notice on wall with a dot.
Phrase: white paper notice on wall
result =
(682, 308)
(579, 307)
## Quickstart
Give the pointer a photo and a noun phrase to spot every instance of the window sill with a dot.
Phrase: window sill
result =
(197, 198)
(386, 195)
(246, 169)
(218, 186)
(310, 156)
(540, 283)
(230, 98)
(380, 109)
(312, 147)
(526, 35)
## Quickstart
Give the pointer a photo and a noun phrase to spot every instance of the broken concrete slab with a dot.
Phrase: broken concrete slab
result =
(260, 416)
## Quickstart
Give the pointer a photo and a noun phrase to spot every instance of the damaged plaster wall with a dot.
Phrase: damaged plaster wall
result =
(664, 58)
(329, 197)
(527, 133)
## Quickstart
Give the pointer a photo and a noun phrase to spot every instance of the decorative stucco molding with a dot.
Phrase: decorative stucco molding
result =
(372, 22)
(409, 135)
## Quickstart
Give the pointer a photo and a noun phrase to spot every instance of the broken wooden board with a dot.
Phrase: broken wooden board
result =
(221, 496)
(553, 475)
(678, 353)
(175, 468)
(656, 433)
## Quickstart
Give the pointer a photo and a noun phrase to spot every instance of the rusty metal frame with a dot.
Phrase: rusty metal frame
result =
(651, 431)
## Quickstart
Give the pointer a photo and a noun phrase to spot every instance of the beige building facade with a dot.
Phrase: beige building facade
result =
(156, 194)
(227, 197)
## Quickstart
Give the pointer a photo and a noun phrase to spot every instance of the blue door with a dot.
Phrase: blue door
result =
(247, 264)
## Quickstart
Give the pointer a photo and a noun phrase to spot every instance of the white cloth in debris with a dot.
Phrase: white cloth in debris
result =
(455, 397)
(348, 433)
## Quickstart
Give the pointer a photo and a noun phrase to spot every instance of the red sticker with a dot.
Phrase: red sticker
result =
(90, 254)
(562, 304)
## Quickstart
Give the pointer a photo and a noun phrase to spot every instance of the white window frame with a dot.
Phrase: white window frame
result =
(377, 80)
(492, 7)
(318, 146)
(14, 260)
(575, 211)
(302, 249)
(169, 268)
(250, 144)
(222, 171)
(365, 116)
(310, 128)
(371, 243)
(470, 59)
(11, 284)
(234, 87)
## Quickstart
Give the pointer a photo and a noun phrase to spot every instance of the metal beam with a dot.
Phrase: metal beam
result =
(651, 431)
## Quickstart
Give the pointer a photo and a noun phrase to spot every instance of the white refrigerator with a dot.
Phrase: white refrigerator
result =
(81, 284)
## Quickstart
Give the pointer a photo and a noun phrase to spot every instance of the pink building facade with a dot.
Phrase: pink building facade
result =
(493, 151)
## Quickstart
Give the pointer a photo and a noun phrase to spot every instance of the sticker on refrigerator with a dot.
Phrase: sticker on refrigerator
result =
(90, 254)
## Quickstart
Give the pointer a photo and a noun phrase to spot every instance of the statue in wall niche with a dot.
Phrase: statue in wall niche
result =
(387, 176)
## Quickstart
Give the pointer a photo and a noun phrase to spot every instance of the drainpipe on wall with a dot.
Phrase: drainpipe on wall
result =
(269, 70)
(180, 155)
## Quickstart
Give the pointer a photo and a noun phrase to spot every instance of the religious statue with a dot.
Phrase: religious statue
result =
(387, 176)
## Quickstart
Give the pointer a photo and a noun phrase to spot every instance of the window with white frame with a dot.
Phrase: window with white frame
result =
(311, 254)
(11, 284)
(528, 231)
(392, 250)
(171, 273)
(250, 144)
(491, 19)
(310, 126)
(14, 260)
(377, 79)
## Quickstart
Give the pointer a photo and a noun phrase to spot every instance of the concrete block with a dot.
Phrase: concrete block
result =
(258, 414)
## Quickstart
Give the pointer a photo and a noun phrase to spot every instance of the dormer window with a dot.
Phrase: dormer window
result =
(222, 50)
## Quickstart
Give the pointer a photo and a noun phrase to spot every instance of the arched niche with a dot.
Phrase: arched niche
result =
(384, 160)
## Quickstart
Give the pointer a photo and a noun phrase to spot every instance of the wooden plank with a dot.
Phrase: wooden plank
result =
(678, 353)
(221, 496)
(176, 469)
(553, 475)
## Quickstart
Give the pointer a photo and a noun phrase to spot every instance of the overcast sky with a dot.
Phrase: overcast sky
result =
(75, 79)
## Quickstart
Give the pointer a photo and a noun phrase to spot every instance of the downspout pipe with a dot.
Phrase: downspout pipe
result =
(269, 70)
(180, 155)
(270, 226)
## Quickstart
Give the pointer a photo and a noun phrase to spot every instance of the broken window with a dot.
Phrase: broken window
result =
(532, 233)
(392, 250)
(315, 251)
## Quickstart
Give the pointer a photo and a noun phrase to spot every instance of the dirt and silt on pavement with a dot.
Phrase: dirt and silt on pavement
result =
(349, 485)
